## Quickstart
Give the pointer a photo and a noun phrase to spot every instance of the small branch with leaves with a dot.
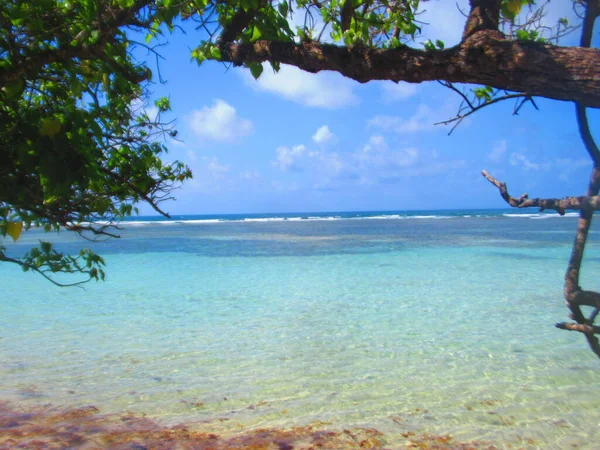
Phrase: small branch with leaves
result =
(479, 99)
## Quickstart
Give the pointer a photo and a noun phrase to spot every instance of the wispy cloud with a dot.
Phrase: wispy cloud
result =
(322, 90)
(288, 158)
(219, 122)
(210, 175)
(422, 120)
(498, 151)
(520, 160)
(568, 166)
(376, 154)
(216, 168)
(397, 91)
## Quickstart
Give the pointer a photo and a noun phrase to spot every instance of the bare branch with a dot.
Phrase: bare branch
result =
(592, 10)
(586, 134)
(584, 298)
(473, 109)
(582, 328)
(583, 203)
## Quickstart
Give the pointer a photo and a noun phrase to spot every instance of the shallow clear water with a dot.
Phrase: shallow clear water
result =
(429, 325)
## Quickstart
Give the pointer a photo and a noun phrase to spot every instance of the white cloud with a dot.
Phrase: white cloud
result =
(192, 157)
(517, 159)
(215, 168)
(422, 120)
(288, 158)
(250, 175)
(376, 154)
(568, 166)
(376, 162)
(498, 152)
(220, 123)
(280, 187)
(211, 176)
(331, 163)
(322, 90)
(398, 91)
(323, 135)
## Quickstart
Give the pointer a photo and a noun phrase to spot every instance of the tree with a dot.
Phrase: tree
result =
(506, 52)
(78, 151)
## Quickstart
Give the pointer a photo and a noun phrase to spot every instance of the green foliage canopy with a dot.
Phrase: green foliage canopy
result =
(78, 150)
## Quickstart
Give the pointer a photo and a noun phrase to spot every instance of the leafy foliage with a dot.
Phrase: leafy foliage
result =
(77, 148)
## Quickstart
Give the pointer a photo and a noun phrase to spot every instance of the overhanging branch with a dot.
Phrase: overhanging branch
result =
(561, 73)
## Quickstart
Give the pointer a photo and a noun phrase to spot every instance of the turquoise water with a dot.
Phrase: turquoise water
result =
(438, 322)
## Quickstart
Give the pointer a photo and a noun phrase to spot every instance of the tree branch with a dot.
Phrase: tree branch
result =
(591, 12)
(575, 296)
(473, 109)
(583, 203)
(572, 291)
(108, 24)
(586, 134)
(43, 273)
(582, 328)
(484, 15)
(570, 73)
(239, 21)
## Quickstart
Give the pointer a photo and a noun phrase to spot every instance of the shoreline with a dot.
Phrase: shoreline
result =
(87, 427)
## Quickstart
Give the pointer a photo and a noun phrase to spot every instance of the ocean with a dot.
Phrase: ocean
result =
(411, 323)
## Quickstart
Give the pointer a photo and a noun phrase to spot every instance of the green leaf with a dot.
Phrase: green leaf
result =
(163, 104)
(256, 34)
(256, 69)
(283, 9)
(522, 35)
(429, 45)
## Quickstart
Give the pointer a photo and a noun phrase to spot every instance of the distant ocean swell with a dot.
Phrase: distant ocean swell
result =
(195, 220)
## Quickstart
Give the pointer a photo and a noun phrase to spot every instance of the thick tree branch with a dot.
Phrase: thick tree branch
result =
(561, 73)
(586, 134)
(484, 15)
(592, 11)
(584, 298)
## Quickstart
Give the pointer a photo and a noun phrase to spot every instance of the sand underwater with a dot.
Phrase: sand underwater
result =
(389, 330)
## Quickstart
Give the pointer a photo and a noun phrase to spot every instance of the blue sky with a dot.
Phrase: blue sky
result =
(295, 141)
